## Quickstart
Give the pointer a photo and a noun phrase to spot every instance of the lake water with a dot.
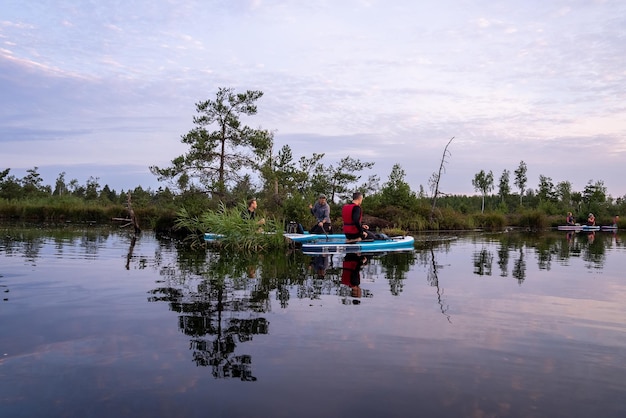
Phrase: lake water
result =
(95, 324)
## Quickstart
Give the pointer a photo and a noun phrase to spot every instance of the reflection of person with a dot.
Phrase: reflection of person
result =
(591, 220)
(321, 211)
(352, 215)
(570, 219)
(251, 272)
(319, 264)
(251, 212)
(351, 272)
(591, 237)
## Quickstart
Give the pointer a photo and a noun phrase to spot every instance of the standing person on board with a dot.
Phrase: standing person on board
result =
(321, 211)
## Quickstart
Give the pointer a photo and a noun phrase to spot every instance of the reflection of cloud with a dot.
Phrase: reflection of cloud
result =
(557, 317)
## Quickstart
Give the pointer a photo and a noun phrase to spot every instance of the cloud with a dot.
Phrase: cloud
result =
(385, 82)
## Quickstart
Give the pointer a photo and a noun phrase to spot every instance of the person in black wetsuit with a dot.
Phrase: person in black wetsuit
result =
(251, 212)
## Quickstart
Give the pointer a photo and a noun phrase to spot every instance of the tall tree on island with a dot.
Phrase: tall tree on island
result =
(218, 158)
(521, 179)
(503, 186)
(483, 182)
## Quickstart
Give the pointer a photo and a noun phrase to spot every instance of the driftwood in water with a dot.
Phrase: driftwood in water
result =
(132, 218)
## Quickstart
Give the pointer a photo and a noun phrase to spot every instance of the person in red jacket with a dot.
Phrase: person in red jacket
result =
(351, 215)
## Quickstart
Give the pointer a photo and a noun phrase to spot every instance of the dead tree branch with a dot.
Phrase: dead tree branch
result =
(132, 218)
(436, 177)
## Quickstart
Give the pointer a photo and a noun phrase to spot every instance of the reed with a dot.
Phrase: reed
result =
(533, 220)
(491, 221)
(237, 233)
(58, 210)
(70, 209)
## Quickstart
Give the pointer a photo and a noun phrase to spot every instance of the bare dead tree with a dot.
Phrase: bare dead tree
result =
(132, 218)
(436, 177)
(131, 214)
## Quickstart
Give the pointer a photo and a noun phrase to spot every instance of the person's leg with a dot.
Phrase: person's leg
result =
(370, 236)
(352, 238)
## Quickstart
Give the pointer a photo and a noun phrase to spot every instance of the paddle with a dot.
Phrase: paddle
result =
(324, 230)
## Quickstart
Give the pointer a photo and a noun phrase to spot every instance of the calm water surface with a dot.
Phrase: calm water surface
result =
(96, 324)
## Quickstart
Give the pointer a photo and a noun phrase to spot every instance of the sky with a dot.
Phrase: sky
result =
(106, 88)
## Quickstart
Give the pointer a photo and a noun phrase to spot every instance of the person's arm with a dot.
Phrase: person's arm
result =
(326, 217)
(317, 212)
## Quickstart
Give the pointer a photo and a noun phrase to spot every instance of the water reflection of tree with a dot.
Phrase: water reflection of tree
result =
(433, 278)
(483, 261)
(226, 307)
(28, 242)
(546, 247)
(221, 299)
(596, 254)
(503, 259)
(396, 265)
(519, 267)
(131, 248)
(588, 246)
(217, 319)
(549, 247)
(322, 278)
(508, 245)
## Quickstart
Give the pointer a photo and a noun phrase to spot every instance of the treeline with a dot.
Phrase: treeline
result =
(393, 202)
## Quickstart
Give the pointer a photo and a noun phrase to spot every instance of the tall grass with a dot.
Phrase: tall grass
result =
(491, 220)
(532, 219)
(237, 233)
(59, 210)
(447, 219)
(75, 210)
